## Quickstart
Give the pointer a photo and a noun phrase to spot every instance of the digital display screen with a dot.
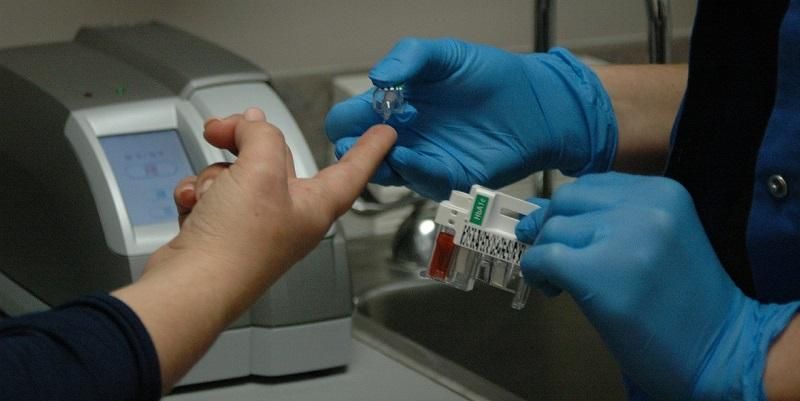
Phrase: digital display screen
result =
(147, 167)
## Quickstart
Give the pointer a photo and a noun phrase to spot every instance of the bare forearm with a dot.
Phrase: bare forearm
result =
(242, 233)
(186, 301)
(782, 377)
(646, 99)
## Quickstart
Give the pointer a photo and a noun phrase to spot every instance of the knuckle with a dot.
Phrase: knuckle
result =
(411, 42)
(212, 171)
(673, 191)
(270, 131)
(327, 207)
(273, 130)
(641, 256)
(564, 193)
(261, 127)
(550, 228)
(661, 218)
(553, 253)
(279, 140)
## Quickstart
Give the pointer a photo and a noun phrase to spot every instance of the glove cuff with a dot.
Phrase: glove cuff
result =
(735, 369)
(581, 119)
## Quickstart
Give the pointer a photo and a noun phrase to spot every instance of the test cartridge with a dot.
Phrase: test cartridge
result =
(475, 240)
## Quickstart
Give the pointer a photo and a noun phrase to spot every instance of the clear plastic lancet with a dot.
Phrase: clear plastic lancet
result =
(387, 101)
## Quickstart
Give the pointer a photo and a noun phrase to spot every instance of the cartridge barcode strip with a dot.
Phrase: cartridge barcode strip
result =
(496, 246)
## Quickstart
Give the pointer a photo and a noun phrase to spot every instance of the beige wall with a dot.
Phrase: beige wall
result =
(25, 22)
(289, 37)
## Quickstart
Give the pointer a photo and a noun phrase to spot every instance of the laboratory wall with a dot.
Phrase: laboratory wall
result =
(296, 37)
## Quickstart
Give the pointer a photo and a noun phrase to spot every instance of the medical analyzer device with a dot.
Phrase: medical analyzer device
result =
(96, 133)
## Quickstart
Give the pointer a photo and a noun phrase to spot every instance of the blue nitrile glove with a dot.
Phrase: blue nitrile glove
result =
(632, 253)
(481, 115)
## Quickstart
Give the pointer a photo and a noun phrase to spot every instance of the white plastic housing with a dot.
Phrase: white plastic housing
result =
(475, 241)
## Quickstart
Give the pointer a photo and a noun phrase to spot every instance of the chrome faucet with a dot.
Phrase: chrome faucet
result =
(543, 20)
(658, 33)
(413, 241)
(659, 41)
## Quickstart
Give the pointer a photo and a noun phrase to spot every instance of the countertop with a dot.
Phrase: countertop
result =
(370, 376)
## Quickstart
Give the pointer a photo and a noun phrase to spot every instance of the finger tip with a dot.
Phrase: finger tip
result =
(523, 236)
(383, 130)
(381, 72)
(254, 114)
(186, 196)
(211, 122)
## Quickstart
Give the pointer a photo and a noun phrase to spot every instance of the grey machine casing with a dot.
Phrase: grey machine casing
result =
(63, 221)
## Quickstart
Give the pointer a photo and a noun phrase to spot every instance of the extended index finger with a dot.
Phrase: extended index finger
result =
(345, 180)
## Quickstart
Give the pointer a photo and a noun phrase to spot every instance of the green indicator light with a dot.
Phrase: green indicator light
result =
(121, 90)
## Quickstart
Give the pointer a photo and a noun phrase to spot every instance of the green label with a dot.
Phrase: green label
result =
(479, 209)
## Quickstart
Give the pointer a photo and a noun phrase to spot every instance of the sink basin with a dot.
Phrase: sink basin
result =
(547, 351)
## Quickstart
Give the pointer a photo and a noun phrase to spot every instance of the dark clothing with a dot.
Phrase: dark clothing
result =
(733, 69)
(773, 234)
(742, 63)
(95, 348)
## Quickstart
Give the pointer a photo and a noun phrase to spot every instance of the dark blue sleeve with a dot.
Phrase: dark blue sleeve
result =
(95, 348)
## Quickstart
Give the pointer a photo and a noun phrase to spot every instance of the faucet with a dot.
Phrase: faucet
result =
(659, 39)
(543, 20)
(413, 241)
(658, 33)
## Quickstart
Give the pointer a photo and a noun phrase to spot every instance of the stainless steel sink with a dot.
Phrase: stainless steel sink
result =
(548, 351)
(475, 340)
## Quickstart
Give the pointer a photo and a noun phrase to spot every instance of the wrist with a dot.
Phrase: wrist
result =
(734, 368)
(780, 375)
(237, 277)
(580, 115)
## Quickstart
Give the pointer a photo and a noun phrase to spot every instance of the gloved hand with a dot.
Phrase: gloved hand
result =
(480, 115)
(632, 253)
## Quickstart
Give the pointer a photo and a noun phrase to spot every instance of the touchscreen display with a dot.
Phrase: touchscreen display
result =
(147, 167)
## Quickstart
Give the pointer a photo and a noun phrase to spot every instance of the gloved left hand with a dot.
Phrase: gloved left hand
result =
(481, 115)
(633, 254)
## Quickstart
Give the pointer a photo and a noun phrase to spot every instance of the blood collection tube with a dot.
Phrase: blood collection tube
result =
(442, 254)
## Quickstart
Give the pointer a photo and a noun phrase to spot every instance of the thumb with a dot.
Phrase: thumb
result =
(414, 59)
(529, 226)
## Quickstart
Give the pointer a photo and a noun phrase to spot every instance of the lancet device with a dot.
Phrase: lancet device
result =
(387, 101)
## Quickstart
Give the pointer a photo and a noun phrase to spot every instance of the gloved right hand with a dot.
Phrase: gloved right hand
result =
(480, 115)
(633, 254)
